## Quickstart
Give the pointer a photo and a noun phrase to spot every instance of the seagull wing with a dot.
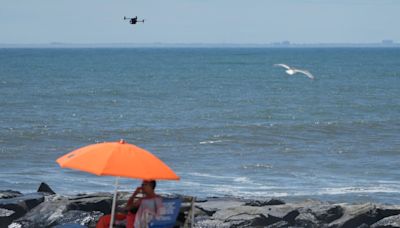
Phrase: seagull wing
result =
(282, 65)
(307, 73)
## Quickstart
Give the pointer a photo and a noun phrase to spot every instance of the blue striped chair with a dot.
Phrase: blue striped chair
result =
(168, 217)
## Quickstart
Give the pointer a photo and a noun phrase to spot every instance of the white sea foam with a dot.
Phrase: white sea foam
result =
(348, 190)
(242, 180)
(190, 183)
(209, 175)
(258, 166)
(247, 193)
(211, 141)
(389, 182)
(243, 190)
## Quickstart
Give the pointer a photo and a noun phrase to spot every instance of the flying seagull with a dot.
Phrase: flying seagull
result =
(292, 70)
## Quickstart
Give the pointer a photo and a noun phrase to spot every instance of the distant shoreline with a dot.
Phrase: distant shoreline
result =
(201, 45)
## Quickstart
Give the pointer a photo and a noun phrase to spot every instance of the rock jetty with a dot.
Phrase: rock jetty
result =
(220, 212)
(45, 208)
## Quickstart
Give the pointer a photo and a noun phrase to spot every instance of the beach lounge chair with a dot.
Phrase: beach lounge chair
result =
(189, 211)
(168, 216)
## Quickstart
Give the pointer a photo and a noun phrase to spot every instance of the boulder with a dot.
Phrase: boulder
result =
(84, 218)
(280, 224)
(91, 202)
(5, 212)
(364, 215)
(214, 204)
(43, 187)
(16, 207)
(306, 219)
(243, 216)
(209, 223)
(57, 210)
(287, 212)
(317, 213)
(44, 215)
(6, 194)
(391, 221)
(328, 213)
(232, 214)
(260, 203)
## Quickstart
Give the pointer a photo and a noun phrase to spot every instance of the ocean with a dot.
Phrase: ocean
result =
(226, 120)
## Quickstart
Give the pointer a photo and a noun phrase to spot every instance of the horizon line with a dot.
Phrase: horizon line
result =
(383, 43)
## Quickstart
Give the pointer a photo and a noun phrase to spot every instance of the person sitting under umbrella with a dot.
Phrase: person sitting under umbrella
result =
(139, 211)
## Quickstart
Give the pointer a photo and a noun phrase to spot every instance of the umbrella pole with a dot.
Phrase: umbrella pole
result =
(113, 203)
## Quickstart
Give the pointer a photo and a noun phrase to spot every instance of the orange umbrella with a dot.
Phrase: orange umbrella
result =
(118, 159)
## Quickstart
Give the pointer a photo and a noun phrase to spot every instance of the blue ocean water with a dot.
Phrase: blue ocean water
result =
(226, 120)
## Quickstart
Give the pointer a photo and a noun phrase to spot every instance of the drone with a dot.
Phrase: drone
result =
(133, 20)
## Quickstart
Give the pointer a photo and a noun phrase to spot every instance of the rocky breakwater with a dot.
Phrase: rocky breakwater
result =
(227, 212)
(44, 208)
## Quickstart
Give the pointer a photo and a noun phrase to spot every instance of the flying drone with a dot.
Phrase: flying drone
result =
(133, 20)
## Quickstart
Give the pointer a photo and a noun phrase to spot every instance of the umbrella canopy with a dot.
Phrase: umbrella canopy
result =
(117, 159)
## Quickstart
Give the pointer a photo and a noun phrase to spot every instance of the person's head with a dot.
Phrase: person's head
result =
(148, 186)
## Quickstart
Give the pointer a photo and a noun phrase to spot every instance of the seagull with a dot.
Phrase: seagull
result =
(292, 70)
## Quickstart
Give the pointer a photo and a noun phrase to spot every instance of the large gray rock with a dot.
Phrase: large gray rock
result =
(44, 215)
(91, 202)
(262, 202)
(58, 209)
(13, 208)
(391, 221)
(85, 218)
(280, 224)
(220, 210)
(364, 215)
(215, 204)
(6, 194)
(307, 219)
(69, 219)
(316, 213)
(353, 215)
(43, 187)
(233, 215)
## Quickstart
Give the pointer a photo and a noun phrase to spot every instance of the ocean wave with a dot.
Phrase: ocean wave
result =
(211, 141)
(247, 193)
(240, 192)
(243, 180)
(351, 190)
(210, 175)
(258, 166)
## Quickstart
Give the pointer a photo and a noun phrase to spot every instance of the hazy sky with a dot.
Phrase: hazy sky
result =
(199, 21)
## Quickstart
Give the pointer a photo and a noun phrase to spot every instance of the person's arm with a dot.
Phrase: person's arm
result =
(131, 202)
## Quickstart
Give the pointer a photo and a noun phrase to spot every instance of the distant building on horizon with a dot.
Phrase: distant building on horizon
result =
(283, 43)
(387, 42)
